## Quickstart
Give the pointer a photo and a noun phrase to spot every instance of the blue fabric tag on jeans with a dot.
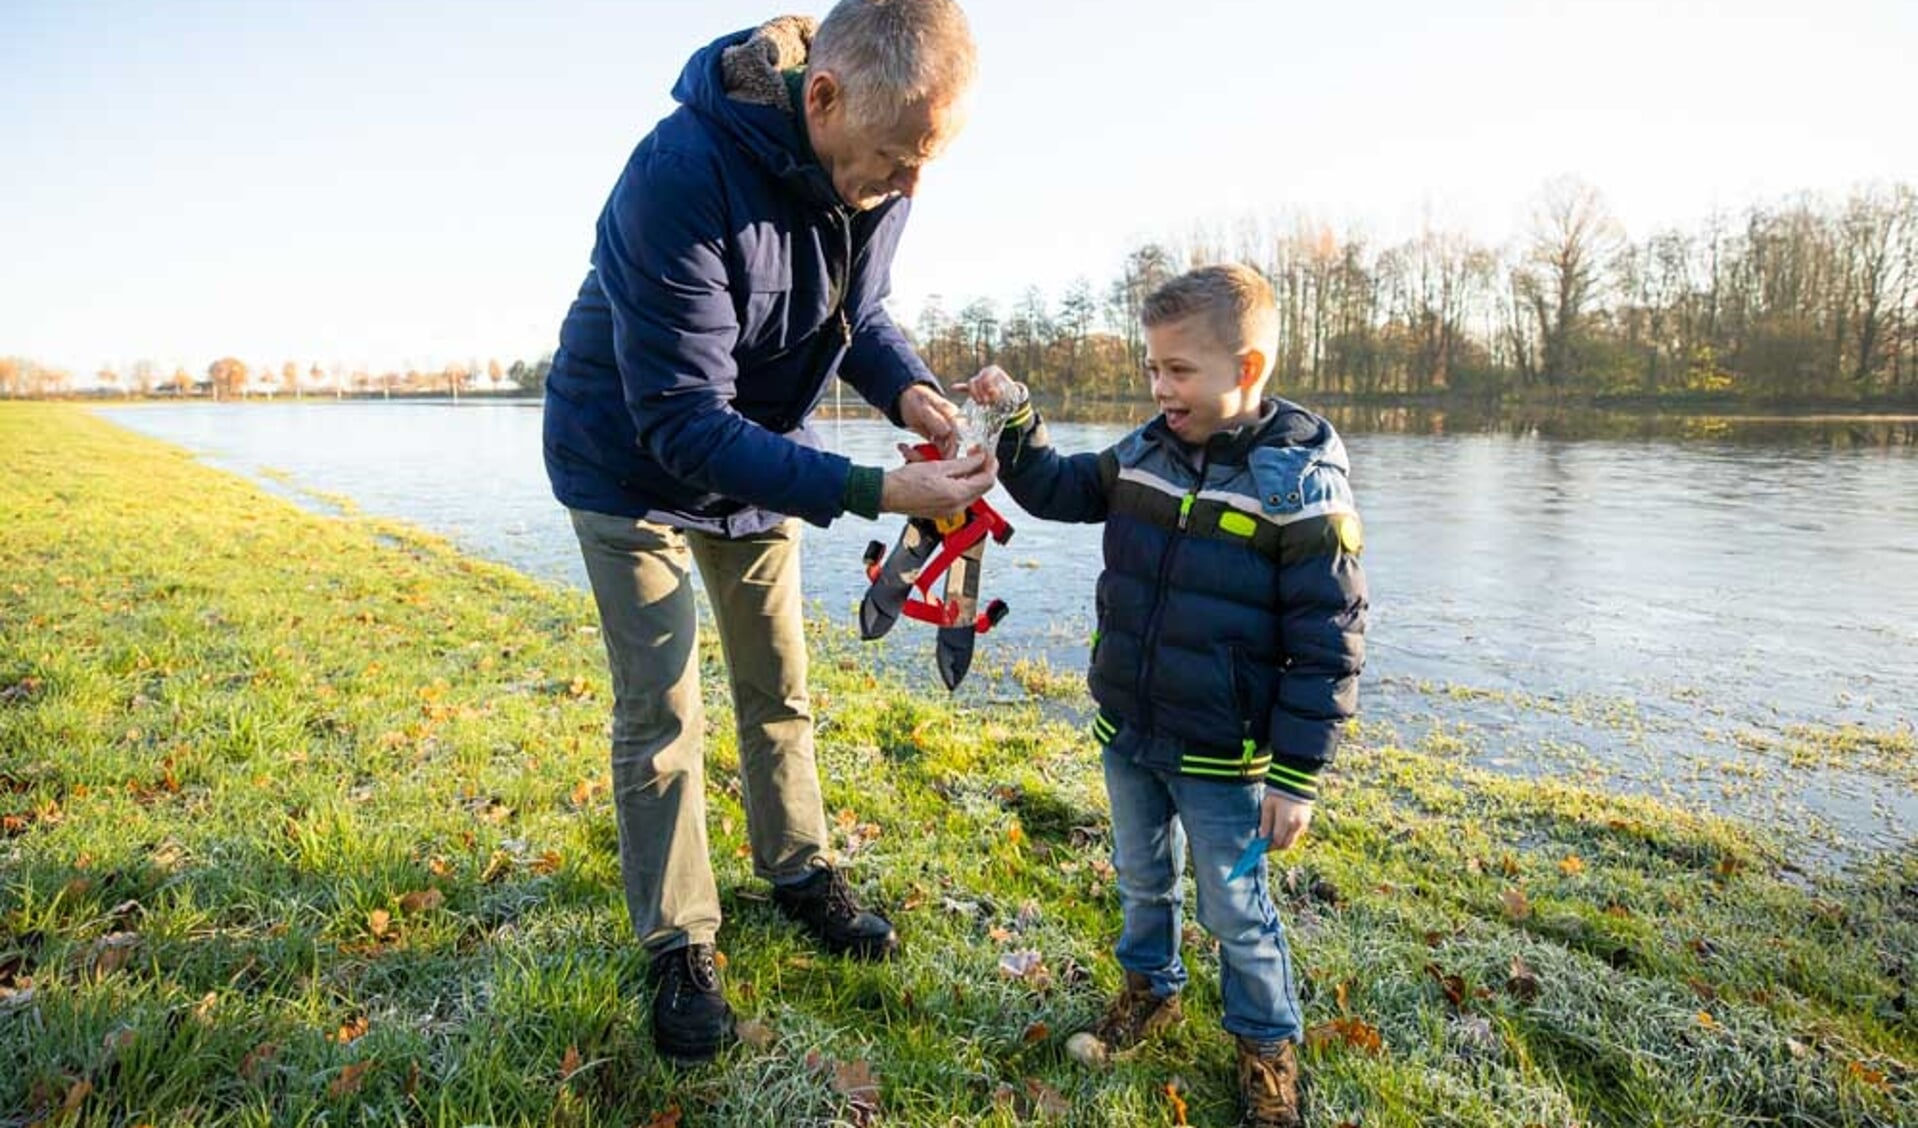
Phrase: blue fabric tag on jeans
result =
(1254, 850)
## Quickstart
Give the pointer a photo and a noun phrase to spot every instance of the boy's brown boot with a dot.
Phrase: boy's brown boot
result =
(1135, 1014)
(1269, 1084)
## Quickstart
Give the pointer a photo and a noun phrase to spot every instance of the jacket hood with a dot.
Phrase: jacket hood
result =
(738, 83)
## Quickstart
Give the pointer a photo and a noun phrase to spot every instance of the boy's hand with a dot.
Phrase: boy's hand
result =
(930, 415)
(1283, 819)
(992, 385)
(938, 488)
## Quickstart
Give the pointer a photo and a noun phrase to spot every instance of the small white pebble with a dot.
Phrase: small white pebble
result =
(1086, 1050)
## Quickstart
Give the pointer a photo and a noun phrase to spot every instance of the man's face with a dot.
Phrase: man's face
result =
(1201, 386)
(870, 164)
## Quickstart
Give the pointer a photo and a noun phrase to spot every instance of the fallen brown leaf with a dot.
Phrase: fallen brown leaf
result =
(349, 1080)
(1046, 1100)
(257, 1059)
(1349, 1032)
(422, 901)
(1452, 985)
(756, 1034)
(112, 951)
(855, 1081)
(1523, 983)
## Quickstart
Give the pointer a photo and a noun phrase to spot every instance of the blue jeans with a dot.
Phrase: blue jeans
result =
(1155, 815)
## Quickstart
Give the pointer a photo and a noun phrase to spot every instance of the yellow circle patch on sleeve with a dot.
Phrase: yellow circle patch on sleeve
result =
(1351, 534)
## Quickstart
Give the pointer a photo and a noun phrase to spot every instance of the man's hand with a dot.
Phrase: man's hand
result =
(931, 416)
(1283, 819)
(992, 385)
(938, 488)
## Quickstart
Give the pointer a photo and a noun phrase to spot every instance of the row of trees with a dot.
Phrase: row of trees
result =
(1801, 300)
(232, 378)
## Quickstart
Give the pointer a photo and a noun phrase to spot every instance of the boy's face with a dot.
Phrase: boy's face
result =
(1201, 386)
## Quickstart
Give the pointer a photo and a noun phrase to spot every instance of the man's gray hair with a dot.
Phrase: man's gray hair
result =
(888, 54)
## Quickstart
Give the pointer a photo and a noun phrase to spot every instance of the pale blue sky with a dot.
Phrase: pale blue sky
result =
(397, 182)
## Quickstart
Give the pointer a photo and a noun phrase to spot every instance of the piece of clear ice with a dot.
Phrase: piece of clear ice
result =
(980, 423)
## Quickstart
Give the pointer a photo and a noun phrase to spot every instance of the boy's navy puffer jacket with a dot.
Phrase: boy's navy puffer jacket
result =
(1231, 611)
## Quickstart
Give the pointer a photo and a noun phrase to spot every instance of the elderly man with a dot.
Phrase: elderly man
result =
(740, 265)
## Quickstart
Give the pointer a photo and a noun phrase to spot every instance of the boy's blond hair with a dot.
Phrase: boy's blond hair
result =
(1235, 301)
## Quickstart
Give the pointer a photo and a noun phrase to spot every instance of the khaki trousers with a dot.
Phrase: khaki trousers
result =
(640, 573)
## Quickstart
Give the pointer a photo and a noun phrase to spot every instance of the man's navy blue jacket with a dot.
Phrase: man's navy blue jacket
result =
(729, 285)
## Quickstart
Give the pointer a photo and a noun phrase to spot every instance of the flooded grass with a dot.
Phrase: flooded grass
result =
(305, 818)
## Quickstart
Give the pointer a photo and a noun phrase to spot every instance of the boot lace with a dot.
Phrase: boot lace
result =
(841, 905)
(694, 967)
(1270, 1090)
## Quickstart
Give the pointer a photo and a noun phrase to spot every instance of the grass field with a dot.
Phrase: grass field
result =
(306, 820)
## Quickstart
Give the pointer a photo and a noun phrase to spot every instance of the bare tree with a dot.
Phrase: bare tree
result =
(1573, 237)
(1076, 311)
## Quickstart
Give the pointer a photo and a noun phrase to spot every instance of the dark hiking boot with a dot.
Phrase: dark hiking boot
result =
(1135, 1014)
(691, 1020)
(825, 906)
(1269, 1084)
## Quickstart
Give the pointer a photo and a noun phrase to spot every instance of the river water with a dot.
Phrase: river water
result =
(1656, 604)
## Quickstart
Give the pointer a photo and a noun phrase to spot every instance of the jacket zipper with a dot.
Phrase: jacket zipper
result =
(1159, 594)
(825, 346)
(1247, 745)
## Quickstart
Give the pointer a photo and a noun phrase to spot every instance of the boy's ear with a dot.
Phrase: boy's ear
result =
(1251, 369)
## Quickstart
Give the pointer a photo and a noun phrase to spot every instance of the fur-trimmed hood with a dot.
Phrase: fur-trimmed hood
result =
(754, 72)
(738, 83)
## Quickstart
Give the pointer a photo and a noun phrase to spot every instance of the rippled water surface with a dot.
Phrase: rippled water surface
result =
(1665, 604)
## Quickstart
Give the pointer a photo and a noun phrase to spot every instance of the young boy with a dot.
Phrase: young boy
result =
(1231, 619)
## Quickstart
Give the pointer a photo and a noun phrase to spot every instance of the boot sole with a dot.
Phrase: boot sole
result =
(865, 953)
(683, 1055)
